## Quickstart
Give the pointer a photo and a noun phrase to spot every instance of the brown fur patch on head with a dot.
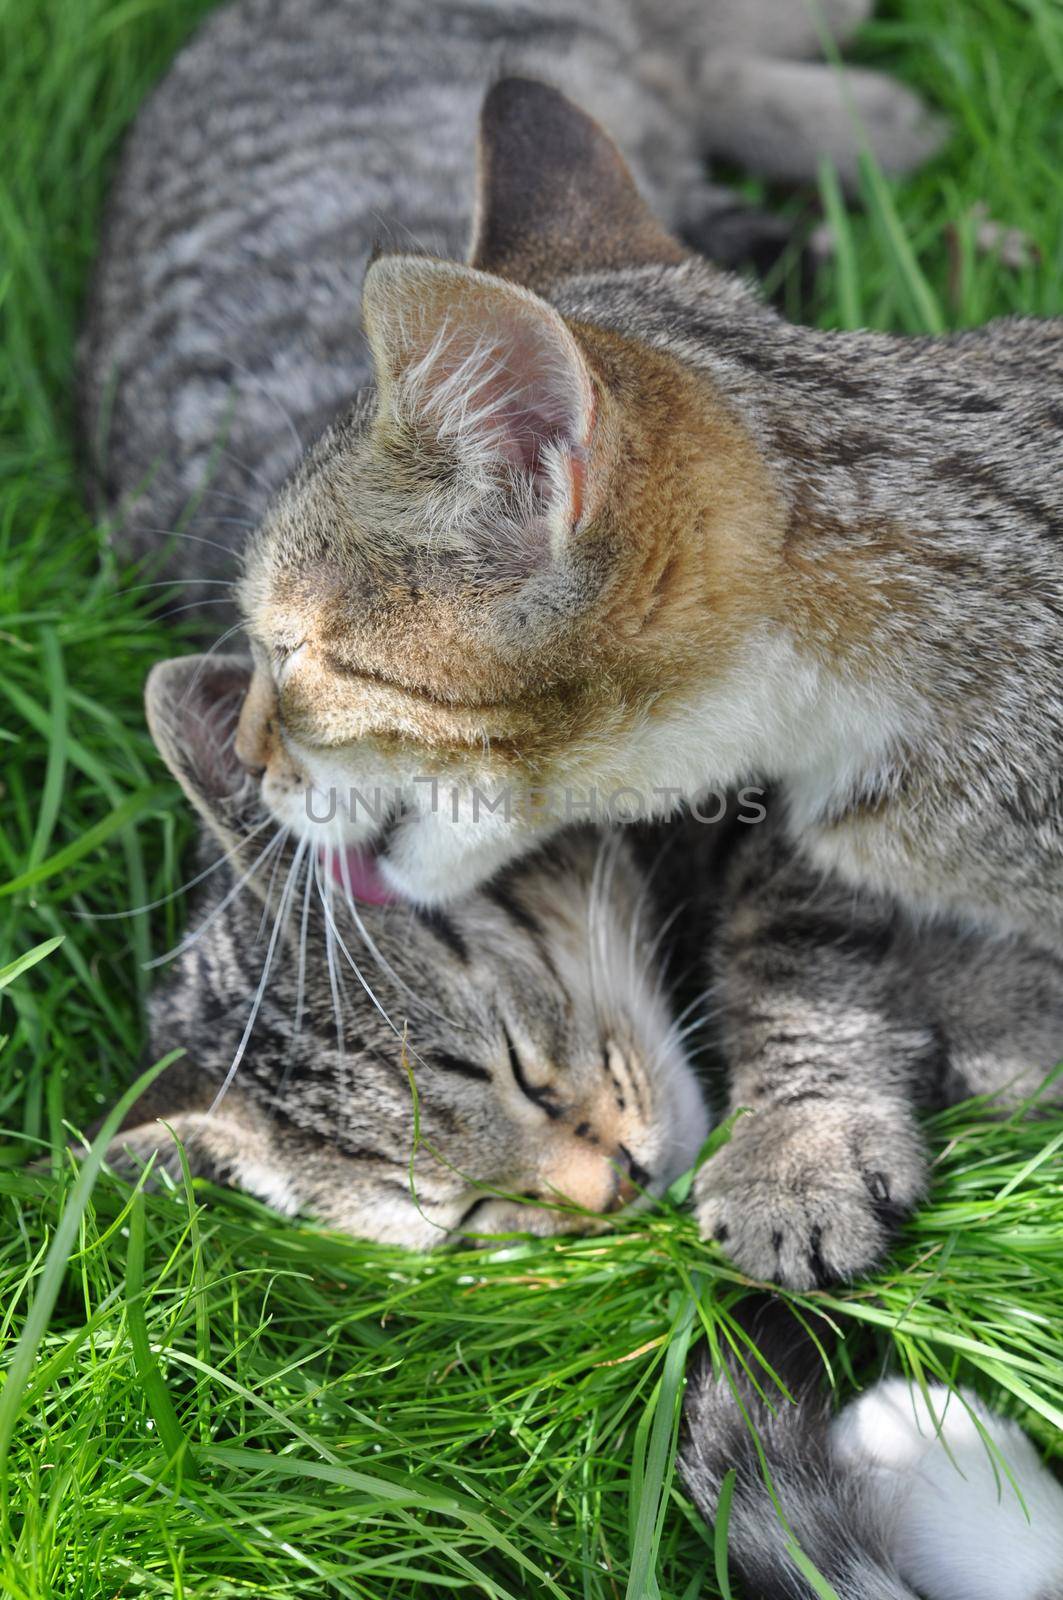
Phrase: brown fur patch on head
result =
(656, 589)
(545, 528)
(691, 525)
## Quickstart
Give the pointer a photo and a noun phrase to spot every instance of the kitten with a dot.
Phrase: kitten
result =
(526, 1034)
(903, 1493)
(551, 1090)
(287, 138)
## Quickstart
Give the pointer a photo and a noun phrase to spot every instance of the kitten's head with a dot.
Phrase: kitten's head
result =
(502, 569)
(530, 1020)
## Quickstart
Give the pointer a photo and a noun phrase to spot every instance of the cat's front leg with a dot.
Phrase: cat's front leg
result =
(825, 1047)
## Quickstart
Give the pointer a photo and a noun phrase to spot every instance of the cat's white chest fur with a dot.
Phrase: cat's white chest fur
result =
(780, 716)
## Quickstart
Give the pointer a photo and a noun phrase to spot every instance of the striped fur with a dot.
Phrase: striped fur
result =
(841, 1017)
(749, 551)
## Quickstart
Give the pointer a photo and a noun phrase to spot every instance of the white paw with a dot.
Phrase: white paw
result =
(957, 1527)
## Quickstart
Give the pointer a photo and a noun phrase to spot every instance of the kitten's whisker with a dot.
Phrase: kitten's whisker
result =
(660, 968)
(380, 959)
(268, 900)
(331, 924)
(704, 994)
(266, 965)
(188, 940)
(676, 1036)
(300, 980)
(183, 888)
(333, 976)
(597, 951)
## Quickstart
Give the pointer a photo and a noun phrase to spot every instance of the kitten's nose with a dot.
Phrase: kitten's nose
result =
(594, 1177)
(633, 1179)
(256, 730)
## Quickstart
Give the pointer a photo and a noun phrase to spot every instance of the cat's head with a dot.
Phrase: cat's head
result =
(476, 603)
(525, 1032)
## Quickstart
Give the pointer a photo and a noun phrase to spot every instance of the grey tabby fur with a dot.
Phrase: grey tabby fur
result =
(288, 138)
(842, 1016)
(533, 1019)
(539, 1041)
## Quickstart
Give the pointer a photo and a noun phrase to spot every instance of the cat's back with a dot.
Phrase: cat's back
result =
(285, 141)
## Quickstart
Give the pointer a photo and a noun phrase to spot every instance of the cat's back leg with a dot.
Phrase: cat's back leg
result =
(969, 1510)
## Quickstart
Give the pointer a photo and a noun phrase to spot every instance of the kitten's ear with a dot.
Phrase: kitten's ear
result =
(490, 368)
(554, 194)
(193, 705)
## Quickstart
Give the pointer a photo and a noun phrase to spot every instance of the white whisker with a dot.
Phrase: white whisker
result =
(189, 940)
(268, 900)
(112, 916)
(331, 922)
(381, 960)
(266, 965)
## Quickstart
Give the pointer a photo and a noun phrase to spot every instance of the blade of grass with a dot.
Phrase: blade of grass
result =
(23, 963)
(174, 1439)
(136, 805)
(21, 1362)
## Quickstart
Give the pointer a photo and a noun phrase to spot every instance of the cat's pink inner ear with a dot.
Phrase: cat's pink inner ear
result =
(193, 705)
(489, 366)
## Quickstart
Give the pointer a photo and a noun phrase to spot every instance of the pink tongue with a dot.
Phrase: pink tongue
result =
(357, 871)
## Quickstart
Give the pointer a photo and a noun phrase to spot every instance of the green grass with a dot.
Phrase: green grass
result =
(205, 1401)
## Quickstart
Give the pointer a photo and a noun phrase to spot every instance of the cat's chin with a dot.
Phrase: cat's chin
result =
(429, 860)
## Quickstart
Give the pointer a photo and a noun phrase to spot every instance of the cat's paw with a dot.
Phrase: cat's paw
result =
(782, 118)
(804, 1195)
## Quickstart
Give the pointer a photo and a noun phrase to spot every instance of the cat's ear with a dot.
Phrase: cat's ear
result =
(193, 704)
(490, 368)
(554, 195)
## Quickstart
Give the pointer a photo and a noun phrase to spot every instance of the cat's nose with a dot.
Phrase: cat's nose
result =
(256, 731)
(593, 1176)
(632, 1179)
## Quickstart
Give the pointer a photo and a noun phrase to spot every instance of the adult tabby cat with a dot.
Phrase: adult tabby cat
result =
(608, 524)
(608, 521)
(287, 138)
(552, 1088)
